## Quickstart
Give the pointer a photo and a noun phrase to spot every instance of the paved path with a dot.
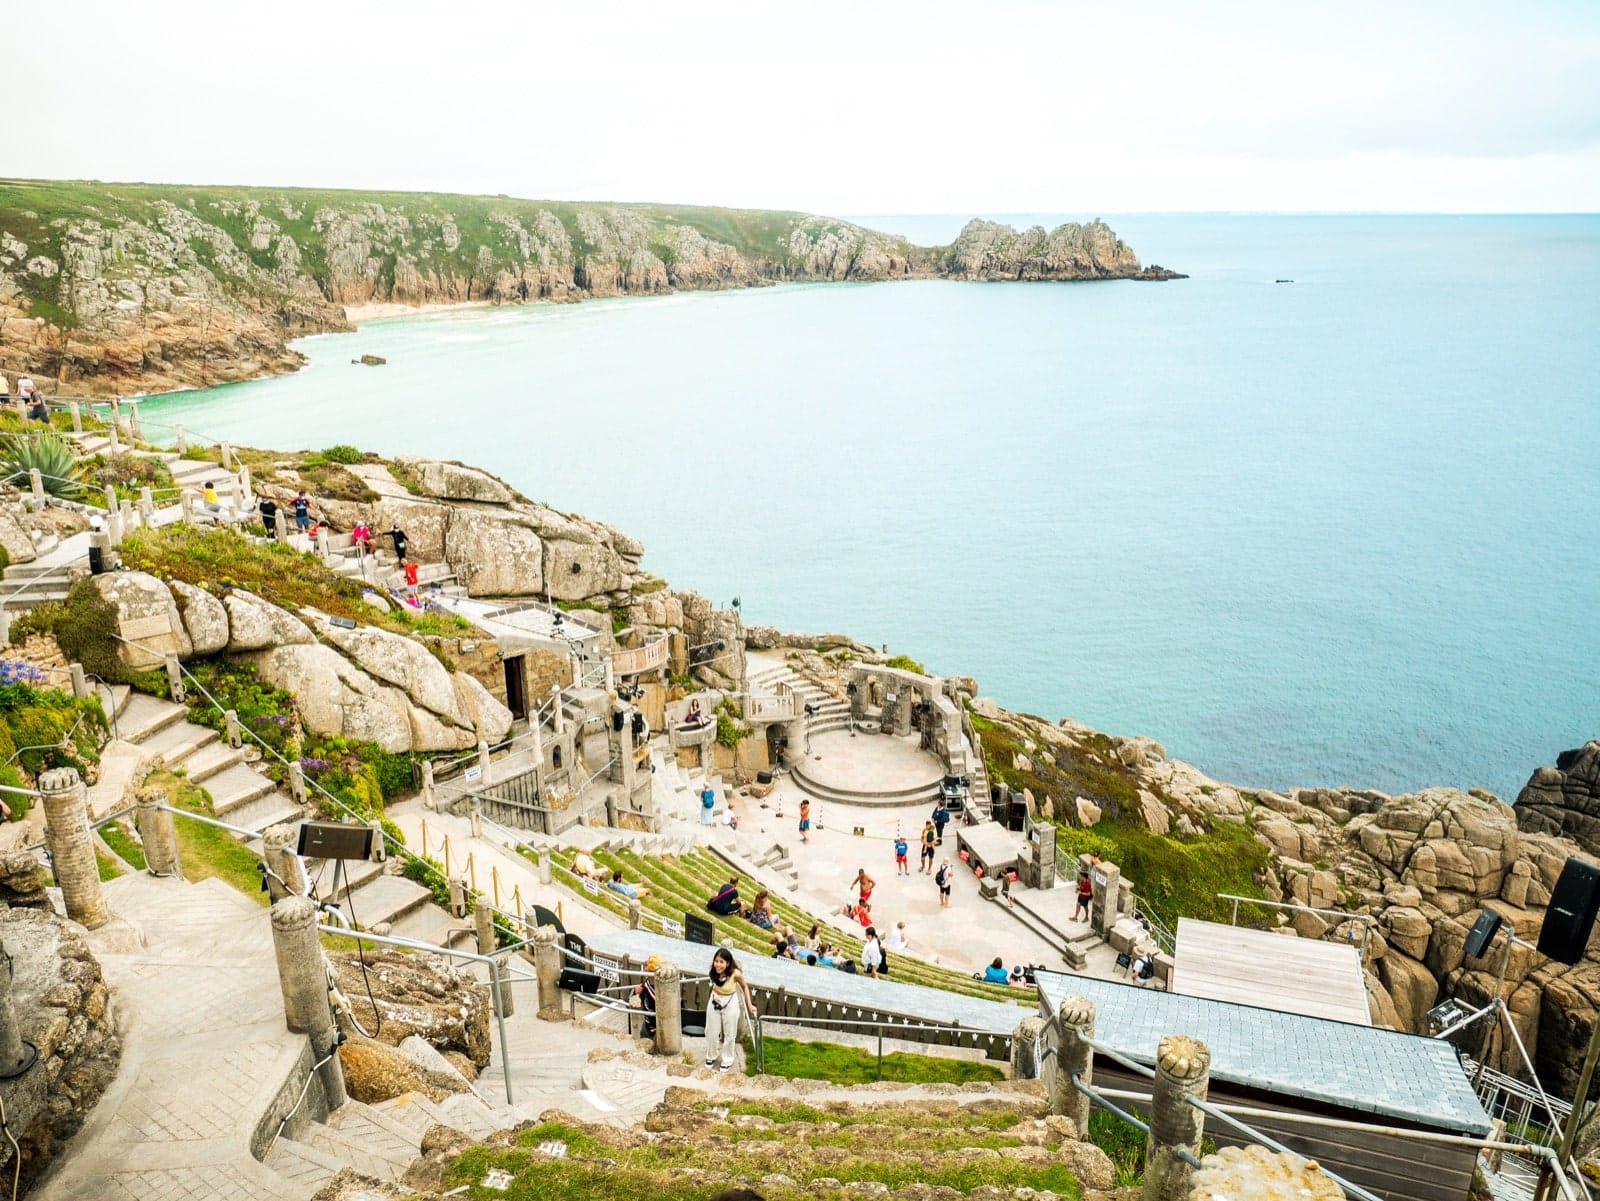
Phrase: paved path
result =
(205, 1050)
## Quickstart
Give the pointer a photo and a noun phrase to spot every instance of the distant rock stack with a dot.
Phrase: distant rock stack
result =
(1565, 799)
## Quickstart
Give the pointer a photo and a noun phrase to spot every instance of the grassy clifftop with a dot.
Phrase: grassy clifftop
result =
(114, 286)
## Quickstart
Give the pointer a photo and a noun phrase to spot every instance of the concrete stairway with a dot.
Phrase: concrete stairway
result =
(828, 712)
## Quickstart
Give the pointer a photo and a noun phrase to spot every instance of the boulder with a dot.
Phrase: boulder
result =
(1411, 987)
(430, 732)
(1565, 799)
(482, 711)
(255, 624)
(14, 536)
(1088, 812)
(145, 616)
(1407, 930)
(375, 1072)
(494, 553)
(578, 570)
(335, 697)
(22, 881)
(403, 662)
(453, 481)
(205, 619)
(1156, 815)
(419, 996)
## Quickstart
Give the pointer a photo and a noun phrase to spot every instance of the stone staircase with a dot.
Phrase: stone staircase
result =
(828, 712)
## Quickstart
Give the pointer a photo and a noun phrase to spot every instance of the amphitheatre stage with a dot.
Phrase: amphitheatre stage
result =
(869, 769)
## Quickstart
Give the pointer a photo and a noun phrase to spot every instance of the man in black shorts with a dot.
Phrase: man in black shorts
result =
(945, 875)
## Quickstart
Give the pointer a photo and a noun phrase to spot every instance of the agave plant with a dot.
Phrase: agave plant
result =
(47, 451)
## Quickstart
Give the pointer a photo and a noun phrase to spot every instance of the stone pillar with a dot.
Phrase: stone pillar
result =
(536, 732)
(147, 505)
(1106, 878)
(297, 782)
(36, 481)
(135, 430)
(159, 836)
(557, 718)
(1045, 852)
(183, 443)
(669, 1010)
(427, 784)
(227, 456)
(635, 913)
(1027, 1045)
(285, 875)
(545, 876)
(1257, 1174)
(1074, 1057)
(246, 486)
(483, 923)
(72, 846)
(547, 967)
(1125, 902)
(678, 654)
(231, 732)
(483, 759)
(475, 817)
(80, 682)
(115, 443)
(77, 418)
(12, 1053)
(380, 847)
(323, 552)
(130, 520)
(174, 678)
(303, 976)
(281, 526)
(114, 527)
(1183, 1071)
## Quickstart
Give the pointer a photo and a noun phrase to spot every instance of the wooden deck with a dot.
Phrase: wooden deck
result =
(1271, 971)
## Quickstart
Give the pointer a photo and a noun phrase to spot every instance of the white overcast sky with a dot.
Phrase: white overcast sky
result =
(875, 106)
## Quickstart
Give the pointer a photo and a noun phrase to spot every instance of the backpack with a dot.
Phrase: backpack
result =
(708, 799)
(883, 961)
(941, 815)
(1147, 969)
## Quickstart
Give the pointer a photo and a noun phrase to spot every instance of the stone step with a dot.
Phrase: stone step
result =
(413, 1111)
(268, 810)
(209, 760)
(308, 1168)
(236, 786)
(335, 880)
(36, 596)
(377, 1159)
(430, 924)
(376, 1130)
(145, 715)
(177, 742)
(384, 898)
(17, 573)
(470, 1114)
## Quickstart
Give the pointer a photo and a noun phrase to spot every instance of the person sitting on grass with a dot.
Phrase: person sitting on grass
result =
(996, 972)
(726, 902)
(761, 911)
(632, 891)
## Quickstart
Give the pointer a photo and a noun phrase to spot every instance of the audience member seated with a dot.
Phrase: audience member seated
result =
(584, 866)
(726, 902)
(862, 913)
(897, 940)
(996, 972)
(761, 911)
(632, 891)
(692, 716)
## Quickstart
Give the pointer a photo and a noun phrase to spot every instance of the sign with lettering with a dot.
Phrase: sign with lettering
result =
(607, 969)
(671, 928)
(590, 886)
(473, 773)
(1099, 877)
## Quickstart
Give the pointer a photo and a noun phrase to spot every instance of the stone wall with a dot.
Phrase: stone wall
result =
(60, 1001)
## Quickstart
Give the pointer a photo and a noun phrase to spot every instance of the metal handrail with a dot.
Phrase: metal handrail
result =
(413, 944)
(1366, 919)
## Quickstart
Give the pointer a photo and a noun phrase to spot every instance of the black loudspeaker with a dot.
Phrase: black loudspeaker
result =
(335, 840)
(1570, 915)
(1482, 933)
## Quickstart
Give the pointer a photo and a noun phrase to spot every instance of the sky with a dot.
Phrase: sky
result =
(875, 106)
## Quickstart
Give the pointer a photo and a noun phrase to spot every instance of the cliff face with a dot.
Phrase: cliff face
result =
(114, 287)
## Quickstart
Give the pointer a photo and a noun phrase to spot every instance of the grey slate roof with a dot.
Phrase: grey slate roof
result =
(1381, 1072)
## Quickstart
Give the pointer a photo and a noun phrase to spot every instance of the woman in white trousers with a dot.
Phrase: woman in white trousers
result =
(728, 990)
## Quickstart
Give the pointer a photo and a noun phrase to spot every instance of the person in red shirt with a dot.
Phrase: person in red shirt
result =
(411, 582)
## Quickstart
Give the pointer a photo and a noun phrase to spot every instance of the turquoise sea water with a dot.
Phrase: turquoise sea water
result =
(1340, 531)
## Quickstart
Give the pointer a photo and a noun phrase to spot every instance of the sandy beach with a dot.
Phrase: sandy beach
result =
(357, 313)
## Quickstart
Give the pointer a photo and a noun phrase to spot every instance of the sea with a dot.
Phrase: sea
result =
(1324, 513)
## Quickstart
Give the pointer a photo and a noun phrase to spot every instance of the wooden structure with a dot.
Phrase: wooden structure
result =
(1373, 1085)
(1254, 967)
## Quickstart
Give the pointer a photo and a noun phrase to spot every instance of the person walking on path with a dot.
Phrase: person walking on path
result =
(929, 839)
(805, 819)
(708, 805)
(1085, 895)
(728, 987)
(941, 815)
(302, 511)
(411, 583)
(864, 884)
(900, 848)
(942, 879)
(871, 953)
(399, 536)
(645, 990)
(269, 516)
(1005, 888)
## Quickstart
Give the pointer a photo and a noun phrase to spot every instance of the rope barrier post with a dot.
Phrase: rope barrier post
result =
(135, 430)
(669, 1009)
(323, 551)
(129, 520)
(71, 843)
(635, 913)
(77, 417)
(114, 527)
(175, 685)
(246, 484)
(230, 722)
(483, 920)
(545, 874)
(547, 969)
(36, 480)
(158, 834)
(80, 682)
(147, 505)
(1183, 1073)
(303, 977)
(297, 783)
(1025, 1040)
(428, 797)
(494, 883)
(114, 443)
(284, 873)
(476, 818)
(1074, 1058)
(424, 825)
(183, 443)
(227, 456)
(483, 759)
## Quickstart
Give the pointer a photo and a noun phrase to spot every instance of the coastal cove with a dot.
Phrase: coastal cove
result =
(1327, 533)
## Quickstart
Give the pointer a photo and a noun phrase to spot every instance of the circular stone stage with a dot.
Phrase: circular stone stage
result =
(869, 769)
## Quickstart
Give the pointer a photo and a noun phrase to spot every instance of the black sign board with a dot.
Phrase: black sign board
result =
(698, 929)
(699, 655)
(1124, 959)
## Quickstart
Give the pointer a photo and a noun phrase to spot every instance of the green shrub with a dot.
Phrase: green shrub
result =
(41, 619)
(84, 631)
(906, 663)
(343, 453)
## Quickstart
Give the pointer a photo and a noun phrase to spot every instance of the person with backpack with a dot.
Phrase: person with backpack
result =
(1142, 968)
(708, 804)
(943, 879)
(900, 850)
(928, 843)
(871, 953)
(941, 816)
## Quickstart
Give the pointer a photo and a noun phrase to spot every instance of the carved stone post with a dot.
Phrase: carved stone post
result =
(303, 977)
(230, 721)
(77, 418)
(285, 874)
(158, 834)
(183, 443)
(669, 1010)
(115, 443)
(547, 967)
(545, 876)
(36, 482)
(135, 430)
(635, 913)
(72, 846)
(114, 527)
(427, 784)
(323, 552)
(1027, 1044)
(557, 718)
(1107, 879)
(297, 783)
(175, 679)
(1183, 1071)
(227, 456)
(1075, 1057)
(80, 682)
(147, 505)
(483, 759)
(12, 1053)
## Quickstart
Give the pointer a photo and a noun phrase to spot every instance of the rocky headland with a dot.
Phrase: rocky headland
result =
(115, 288)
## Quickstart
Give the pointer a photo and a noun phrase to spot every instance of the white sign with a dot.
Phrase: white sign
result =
(472, 773)
(671, 928)
(590, 885)
(607, 969)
